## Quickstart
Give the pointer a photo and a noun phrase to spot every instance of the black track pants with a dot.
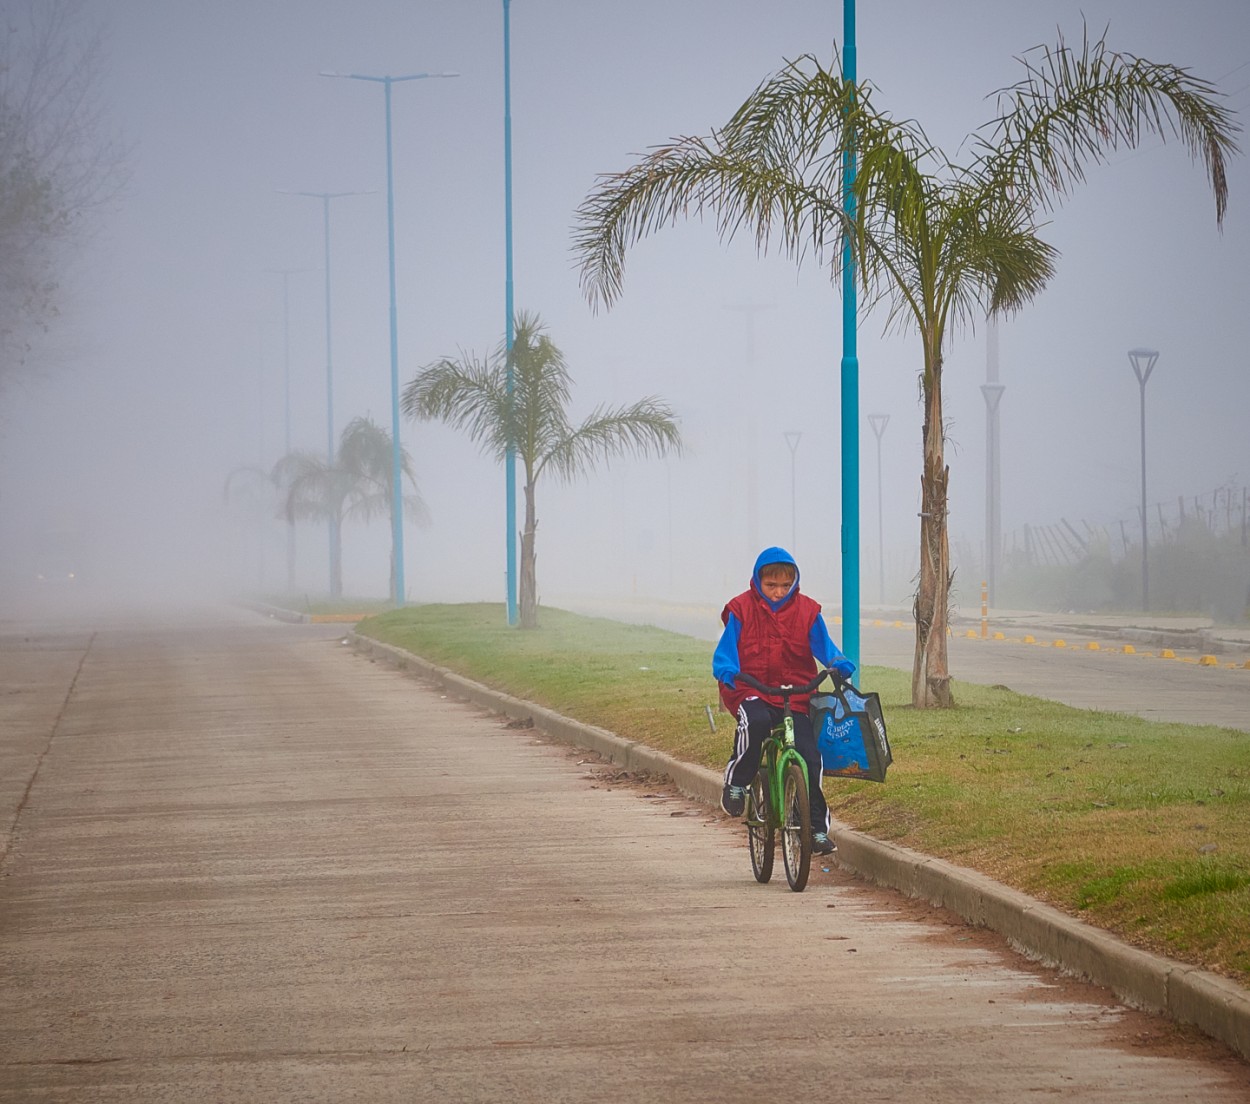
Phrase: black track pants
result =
(755, 720)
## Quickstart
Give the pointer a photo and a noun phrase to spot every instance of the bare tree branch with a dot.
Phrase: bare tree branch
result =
(58, 162)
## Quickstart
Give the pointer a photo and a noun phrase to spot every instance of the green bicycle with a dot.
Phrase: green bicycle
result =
(777, 799)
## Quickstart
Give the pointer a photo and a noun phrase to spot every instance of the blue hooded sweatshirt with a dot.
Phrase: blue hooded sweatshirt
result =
(780, 638)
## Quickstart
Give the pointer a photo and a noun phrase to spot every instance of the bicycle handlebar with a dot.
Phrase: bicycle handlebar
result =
(787, 692)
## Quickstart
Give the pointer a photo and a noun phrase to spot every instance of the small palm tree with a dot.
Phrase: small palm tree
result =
(941, 244)
(251, 490)
(533, 421)
(357, 486)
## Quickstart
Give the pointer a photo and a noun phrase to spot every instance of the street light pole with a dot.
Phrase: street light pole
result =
(397, 490)
(849, 376)
(510, 457)
(1143, 362)
(992, 393)
(792, 439)
(333, 521)
(878, 423)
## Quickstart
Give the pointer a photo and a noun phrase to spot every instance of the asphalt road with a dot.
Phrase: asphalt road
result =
(1144, 683)
(244, 863)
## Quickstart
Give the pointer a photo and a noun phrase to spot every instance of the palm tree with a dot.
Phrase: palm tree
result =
(251, 490)
(356, 486)
(941, 244)
(533, 421)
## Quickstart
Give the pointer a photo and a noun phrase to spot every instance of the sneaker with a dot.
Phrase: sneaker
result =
(822, 844)
(733, 800)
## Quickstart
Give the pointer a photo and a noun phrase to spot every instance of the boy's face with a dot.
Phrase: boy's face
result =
(775, 586)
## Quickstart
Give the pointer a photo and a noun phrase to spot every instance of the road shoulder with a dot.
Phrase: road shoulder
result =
(1186, 994)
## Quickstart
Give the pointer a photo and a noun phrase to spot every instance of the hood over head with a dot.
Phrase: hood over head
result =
(774, 555)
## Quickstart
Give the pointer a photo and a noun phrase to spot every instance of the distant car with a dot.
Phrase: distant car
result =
(57, 570)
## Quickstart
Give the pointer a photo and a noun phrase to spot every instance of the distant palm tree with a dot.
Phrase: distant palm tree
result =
(357, 486)
(942, 244)
(533, 420)
(251, 489)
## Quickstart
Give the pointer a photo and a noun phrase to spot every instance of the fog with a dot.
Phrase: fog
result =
(181, 353)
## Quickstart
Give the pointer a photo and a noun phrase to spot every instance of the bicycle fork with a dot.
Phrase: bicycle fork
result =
(779, 753)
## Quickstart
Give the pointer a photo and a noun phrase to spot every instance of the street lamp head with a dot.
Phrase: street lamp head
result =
(385, 79)
(1143, 362)
(325, 197)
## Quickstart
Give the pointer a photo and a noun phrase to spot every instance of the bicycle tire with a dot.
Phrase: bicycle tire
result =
(761, 834)
(796, 827)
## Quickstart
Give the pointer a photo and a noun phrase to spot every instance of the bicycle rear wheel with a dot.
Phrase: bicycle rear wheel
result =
(761, 836)
(796, 828)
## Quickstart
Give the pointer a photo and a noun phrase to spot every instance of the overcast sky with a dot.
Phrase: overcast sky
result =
(166, 369)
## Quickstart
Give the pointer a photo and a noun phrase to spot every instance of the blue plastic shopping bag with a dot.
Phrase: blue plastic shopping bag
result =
(850, 731)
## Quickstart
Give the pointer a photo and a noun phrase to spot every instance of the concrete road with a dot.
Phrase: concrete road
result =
(1143, 684)
(244, 863)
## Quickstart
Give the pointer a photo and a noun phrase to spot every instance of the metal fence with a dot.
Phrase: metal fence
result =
(1221, 513)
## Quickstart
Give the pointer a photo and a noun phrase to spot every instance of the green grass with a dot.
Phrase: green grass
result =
(1140, 827)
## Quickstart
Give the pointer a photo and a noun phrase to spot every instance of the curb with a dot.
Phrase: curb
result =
(1187, 994)
(294, 617)
(277, 613)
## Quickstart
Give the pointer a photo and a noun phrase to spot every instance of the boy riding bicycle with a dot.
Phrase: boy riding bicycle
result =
(775, 634)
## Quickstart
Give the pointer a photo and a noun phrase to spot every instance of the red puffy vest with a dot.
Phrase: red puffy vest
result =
(774, 646)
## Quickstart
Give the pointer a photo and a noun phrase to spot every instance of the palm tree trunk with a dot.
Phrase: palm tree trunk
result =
(290, 556)
(529, 585)
(930, 676)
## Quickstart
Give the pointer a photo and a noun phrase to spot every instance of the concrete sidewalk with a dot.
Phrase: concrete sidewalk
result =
(245, 863)
(1214, 1004)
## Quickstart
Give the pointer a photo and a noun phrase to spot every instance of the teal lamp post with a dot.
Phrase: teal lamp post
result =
(397, 489)
(510, 457)
(1143, 362)
(333, 524)
(850, 380)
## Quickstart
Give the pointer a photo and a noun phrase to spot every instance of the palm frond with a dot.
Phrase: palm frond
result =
(644, 428)
(467, 394)
(775, 169)
(365, 449)
(310, 484)
(1072, 110)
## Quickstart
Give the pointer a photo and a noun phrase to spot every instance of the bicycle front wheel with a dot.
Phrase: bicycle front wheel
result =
(796, 828)
(761, 836)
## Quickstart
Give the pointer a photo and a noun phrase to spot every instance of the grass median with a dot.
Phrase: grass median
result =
(1139, 827)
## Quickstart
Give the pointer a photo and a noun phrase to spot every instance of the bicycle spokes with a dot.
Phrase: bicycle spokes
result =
(796, 828)
(760, 832)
